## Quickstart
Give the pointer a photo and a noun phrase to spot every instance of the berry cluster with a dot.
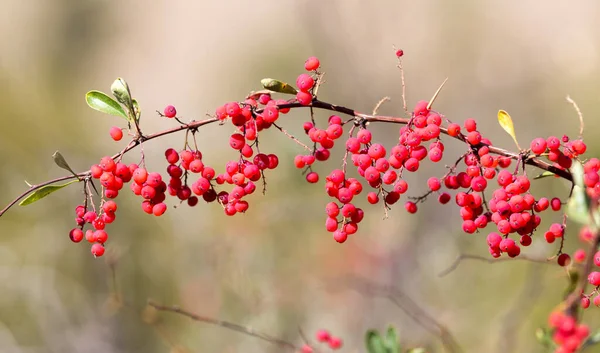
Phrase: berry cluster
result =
(323, 336)
(568, 334)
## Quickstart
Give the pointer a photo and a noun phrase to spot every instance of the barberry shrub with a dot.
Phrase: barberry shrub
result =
(490, 186)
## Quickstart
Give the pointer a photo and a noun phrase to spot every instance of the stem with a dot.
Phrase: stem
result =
(315, 104)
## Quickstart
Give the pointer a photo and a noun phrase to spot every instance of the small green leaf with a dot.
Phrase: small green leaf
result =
(374, 342)
(277, 86)
(392, 341)
(103, 103)
(593, 339)
(120, 89)
(43, 192)
(544, 337)
(61, 162)
(137, 110)
(578, 206)
(544, 175)
(507, 124)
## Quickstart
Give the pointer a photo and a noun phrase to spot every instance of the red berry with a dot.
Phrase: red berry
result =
(76, 235)
(97, 250)
(453, 129)
(304, 98)
(312, 63)
(305, 82)
(159, 209)
(312, 177)
(411, 207)
(340, 236)
(470, 125)
(538, 145)
(170, 111)
(116, 133)
(399, 53)
(594, 279)
(335, 343)
(563, 259)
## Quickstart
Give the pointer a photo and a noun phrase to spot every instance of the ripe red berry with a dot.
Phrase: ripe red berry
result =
(340, 236)
(97, 250)
(116, 133)
(305, 82)
(399, 53)
(411, 207)
(170, 111)
(76, 235)
(335, 342)
(304, 98)
(563, 259)
(538, 145)
(594, 278)
(311, 64)
(453, 129)
(470, 125)
(312, 177)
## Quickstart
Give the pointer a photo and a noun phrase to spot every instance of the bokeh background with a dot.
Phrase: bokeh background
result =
(275, 268)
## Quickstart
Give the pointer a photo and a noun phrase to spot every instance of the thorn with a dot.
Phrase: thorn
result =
(436, 94)
(28, 184)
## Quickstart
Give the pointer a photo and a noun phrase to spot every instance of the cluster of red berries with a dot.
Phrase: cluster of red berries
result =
(567, 333)
(323, 336)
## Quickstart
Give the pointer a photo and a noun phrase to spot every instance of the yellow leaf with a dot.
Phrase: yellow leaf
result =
(507, 124)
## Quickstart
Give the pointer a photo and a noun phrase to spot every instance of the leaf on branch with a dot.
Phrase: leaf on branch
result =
(578, 206)
(120, 89)
(374, 342)
(61, 162)
(392, 341)
(43, 192)
(544, 337)
(507, 124)
(277, 86)
(544, 175)
(101, 102)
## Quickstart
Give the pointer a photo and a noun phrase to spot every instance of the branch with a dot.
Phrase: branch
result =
(225, 324)
(315, 104)
(461, 257)
(574, 299)
(409, 307)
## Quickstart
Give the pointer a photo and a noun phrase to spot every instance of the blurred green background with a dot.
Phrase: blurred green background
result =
(275, 268)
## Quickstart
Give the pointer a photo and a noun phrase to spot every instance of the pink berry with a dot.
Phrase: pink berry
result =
(97, 250)
(170, 111)
(311, 64)
(116, 133)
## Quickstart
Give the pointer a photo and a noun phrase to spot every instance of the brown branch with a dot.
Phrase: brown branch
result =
(409, 307)
(570, 100)
(461, 257)
(573, 300)
(225, 324)
(315, 104)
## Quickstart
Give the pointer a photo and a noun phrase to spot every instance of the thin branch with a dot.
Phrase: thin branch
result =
(409, 307)
(292, 137)
(315, 104)
(570, 100)
(573, 300)
(378, 105)
(461, 257)
(225, 324)
(436, 94)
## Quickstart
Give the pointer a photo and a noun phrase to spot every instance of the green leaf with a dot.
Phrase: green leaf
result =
(507, 124)
(544, 175)
(374, 342)
(416, 350)
(103, 103)
(578, 206)
(137, 110)
(43, 192)
(277, 86)
(61, 162)
(120, 89)
(544, 337)
(392, 341)
(593, 339)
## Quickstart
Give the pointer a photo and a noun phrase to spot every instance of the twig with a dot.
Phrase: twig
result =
(403, 86)
(381, 101)
(461, 257)
(536, 162)
(292, 137)
(225, 324)
(570, 100)
(573, 300)
(436, 94)
(409, 307)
